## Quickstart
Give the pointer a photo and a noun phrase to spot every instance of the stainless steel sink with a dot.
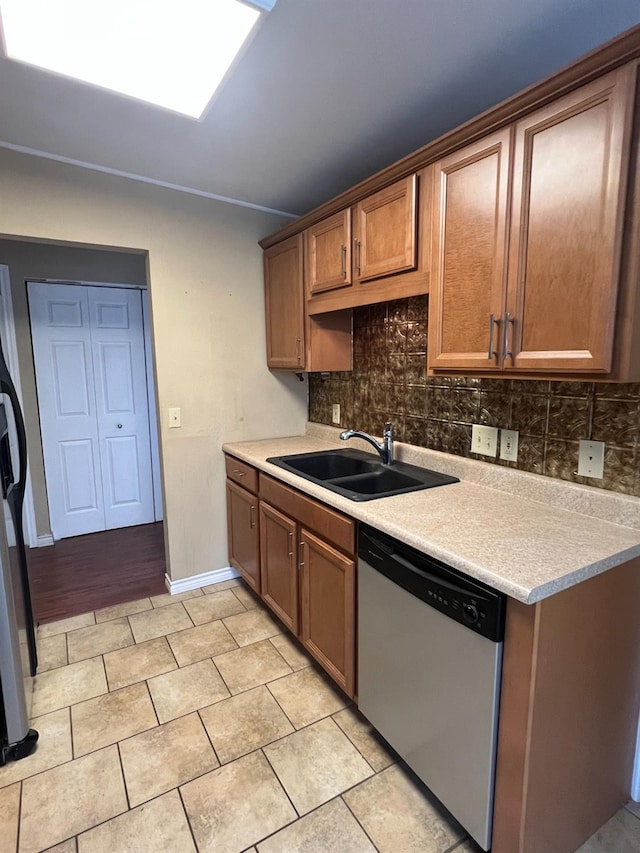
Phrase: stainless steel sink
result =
(359, 476)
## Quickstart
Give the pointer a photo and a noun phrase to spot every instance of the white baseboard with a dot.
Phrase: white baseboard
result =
(195, 581)
(44, 541)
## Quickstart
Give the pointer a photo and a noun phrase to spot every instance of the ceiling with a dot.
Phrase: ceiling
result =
(327, 93)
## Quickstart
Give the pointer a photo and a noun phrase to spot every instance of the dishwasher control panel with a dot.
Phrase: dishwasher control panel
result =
(467, 601)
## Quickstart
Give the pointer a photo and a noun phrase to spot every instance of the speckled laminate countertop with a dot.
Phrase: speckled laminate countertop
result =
(527, 547)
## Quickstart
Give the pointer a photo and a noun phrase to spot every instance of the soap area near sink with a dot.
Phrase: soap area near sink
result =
(358, 475)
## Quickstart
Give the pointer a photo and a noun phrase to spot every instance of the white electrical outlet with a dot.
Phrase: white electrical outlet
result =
(591, 459)
(509, 445)
(175, 418)
(335, 413)
(484, 440)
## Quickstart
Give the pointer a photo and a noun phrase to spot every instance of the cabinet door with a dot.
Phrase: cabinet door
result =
(569, 192)
(284, 304)
(328, 609)
(386, 239)
(328, 253)
(469, 247)
(242, 530)
(279, 564)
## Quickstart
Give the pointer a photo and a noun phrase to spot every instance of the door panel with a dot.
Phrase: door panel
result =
(278, 564)
(121, 404)
(64, 376)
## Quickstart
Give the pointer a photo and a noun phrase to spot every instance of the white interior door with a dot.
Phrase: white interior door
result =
(89, 358)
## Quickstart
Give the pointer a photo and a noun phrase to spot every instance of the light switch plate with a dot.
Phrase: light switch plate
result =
(509, 445)
(175, 418)
(591, 459)
(335, 413)
(484, 440)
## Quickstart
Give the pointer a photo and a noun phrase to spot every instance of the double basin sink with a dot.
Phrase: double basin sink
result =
(359, 476)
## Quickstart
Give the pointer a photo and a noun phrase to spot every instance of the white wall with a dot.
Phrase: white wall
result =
(205, 278)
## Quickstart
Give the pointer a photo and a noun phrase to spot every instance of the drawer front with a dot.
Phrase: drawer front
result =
(241, 473)
(326, 522)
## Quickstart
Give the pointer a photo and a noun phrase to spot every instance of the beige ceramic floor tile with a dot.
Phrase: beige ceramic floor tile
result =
(98, 639)
(331, 827)
(167, 598)
(54, 748)
(247, 597)
(187, 689)
(68, 685)
(52, 652)
(68, 846)
(621, 834)
(9, 817)
(365, 738)
(160, 825)
(127, 609)
(316, 764)
(204, 641)
(218, 587)
(307, 696)
(158, 623)
(234, 807)
(137, 663)
(165, 757)
(398, 817)
(244, 723)
(252, 626)
(291, 651)
(110, 718)
(250, 666)
(64, 625)
(69, 799)
(208, 608)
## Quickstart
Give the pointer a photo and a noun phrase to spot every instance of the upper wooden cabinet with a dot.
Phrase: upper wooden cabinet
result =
(328, 253)
(284, 305)
(537, 295)
(385, 240)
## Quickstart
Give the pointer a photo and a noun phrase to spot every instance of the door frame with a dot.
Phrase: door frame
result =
(8, 334)
(152, 403)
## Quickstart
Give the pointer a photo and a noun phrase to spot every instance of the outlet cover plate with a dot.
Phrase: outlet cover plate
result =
(335, 413)
(484, 440)
(591, 459)
(509, 445)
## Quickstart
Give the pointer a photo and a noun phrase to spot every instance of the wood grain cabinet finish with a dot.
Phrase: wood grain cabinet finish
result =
(386, 240)
(279, 564)
(242, 531)
(549, 305)
(284, 304)
(327, 608)
(327, 247)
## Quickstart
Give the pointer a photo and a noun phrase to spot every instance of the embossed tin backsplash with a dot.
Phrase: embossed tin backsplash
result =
(389, 382)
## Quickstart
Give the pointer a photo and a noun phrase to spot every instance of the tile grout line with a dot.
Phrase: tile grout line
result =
(186, 815)
(355, 816)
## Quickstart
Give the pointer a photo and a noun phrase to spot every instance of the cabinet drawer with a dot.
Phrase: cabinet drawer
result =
(326, 522)
(241, 473)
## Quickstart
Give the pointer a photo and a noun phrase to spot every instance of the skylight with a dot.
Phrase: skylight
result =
(172, 53)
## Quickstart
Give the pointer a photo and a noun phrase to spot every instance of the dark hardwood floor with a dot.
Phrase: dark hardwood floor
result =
(98, 570)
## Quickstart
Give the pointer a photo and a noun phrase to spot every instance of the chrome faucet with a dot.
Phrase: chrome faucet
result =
(385, 449)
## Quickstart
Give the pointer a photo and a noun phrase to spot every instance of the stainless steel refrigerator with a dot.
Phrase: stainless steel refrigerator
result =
(18, 658)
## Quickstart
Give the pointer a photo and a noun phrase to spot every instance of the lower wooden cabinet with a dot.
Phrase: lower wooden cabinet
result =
(299, 556)
(279, 565)
(327, 608)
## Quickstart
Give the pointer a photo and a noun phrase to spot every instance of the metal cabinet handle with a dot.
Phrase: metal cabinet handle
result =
(356, 246)
(300, 555)
(298, 353)
(252, 519)
(343, 260)
(492, 322)
(508, 319)
(239, 473)
(290, 554)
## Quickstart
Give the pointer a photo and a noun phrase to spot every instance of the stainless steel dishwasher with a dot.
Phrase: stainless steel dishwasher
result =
(429, 665)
